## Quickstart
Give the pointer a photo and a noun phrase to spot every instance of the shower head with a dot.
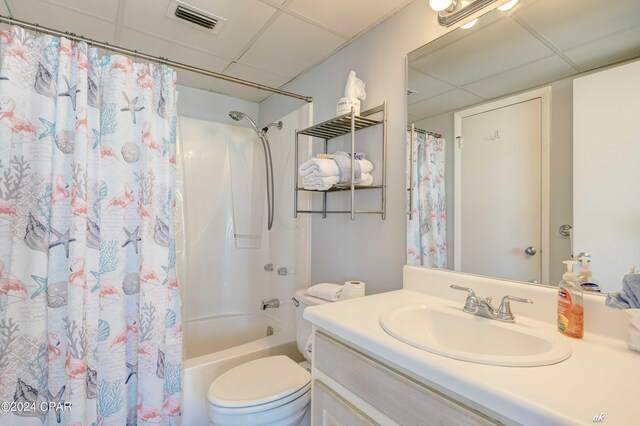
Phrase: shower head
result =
(238, 116)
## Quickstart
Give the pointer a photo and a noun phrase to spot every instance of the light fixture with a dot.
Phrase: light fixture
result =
(452, 11)
(440, 5)
(508, 5)
(469, 24)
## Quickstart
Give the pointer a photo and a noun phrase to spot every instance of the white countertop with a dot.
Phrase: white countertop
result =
(602, 375)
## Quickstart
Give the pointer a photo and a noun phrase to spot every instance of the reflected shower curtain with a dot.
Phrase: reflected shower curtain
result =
(89, 304)
(427, 231)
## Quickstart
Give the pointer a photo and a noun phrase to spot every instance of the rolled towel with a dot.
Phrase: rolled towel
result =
(343, 160)
(319, 167)
(629, 296)
(326, 291)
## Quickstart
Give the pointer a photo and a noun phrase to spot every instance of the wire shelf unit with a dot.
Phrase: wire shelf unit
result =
(342, 125)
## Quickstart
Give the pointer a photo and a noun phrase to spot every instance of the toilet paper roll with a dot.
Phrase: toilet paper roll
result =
(352, 289)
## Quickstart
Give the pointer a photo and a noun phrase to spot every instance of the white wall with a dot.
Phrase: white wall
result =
(607, 211)
(289, 237)
(368, 248)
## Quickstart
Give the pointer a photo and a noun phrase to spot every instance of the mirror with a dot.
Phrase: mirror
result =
(524, 151)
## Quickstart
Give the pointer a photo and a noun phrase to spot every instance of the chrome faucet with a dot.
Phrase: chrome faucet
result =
(271, 303)
(480, 306)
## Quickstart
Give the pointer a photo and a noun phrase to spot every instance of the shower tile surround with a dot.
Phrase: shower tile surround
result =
(597, 378)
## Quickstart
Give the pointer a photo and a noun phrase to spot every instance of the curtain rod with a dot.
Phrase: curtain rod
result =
(178, 65)
(435, 135)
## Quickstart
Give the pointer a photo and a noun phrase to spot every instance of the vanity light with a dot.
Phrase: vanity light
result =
(508, 5)
(469, 24)
(440, 5)
(452, 11)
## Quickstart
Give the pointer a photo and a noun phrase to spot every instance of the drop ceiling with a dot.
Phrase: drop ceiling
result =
(539, 42)
(265, 41)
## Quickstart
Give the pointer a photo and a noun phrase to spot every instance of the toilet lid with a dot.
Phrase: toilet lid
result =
(258, 382)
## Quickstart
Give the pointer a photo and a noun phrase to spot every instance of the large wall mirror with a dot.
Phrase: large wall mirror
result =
(523, 143)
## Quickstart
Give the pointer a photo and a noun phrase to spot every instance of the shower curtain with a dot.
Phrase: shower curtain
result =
(427, 231)
(89, 304)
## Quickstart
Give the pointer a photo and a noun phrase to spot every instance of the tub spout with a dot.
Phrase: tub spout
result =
(269, 304)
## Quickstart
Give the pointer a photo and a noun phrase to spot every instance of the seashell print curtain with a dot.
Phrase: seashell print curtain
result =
(427, 232)
(89, 303)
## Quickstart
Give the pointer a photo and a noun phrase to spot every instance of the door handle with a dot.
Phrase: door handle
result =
(530, 251)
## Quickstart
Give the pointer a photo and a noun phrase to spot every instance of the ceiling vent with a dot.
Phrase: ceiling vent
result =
(205, 20)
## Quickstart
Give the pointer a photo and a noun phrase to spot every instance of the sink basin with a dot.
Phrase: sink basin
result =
(450, 332)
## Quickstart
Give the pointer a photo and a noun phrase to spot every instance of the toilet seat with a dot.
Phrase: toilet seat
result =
(259, 385)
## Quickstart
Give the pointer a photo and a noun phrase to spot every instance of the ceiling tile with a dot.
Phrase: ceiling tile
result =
(450, 101)
(425, 86)
(345, 17)
(526, 77)
(614, 48)
(107, 10)
(63, 19)
(290, 46)
(247, 72)
(220, 86)
(176, 52)
(244, 19)
(494, 49)
(276, 3)
(571, 23)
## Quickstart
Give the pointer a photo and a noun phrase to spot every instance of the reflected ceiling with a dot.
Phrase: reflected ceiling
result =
(537, 42)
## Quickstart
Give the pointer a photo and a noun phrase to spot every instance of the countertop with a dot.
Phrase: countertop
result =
(601, 376)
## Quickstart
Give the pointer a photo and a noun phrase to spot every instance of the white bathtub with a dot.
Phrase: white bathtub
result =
(216, 344)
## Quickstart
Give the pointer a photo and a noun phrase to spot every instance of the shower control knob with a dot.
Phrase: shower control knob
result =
(530, 251)
(282, 271)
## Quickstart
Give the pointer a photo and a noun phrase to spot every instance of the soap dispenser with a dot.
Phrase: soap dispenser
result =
(570, 307)
(585, 278)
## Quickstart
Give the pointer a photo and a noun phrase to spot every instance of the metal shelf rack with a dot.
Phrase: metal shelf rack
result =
(342, 125)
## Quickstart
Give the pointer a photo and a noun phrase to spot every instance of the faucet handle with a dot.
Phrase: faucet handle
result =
(505, 313)
(470, 304)
(457, 287)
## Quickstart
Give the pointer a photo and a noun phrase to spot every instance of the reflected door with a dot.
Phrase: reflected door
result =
(500, 192)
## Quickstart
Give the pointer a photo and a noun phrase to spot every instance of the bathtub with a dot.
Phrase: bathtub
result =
(216, 344)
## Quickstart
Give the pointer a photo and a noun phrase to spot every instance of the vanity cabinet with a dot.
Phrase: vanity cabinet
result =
(352, 388)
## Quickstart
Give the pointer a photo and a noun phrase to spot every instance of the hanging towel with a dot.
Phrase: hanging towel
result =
(326, 291)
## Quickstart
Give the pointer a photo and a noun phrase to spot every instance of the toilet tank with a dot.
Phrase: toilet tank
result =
(303, 327)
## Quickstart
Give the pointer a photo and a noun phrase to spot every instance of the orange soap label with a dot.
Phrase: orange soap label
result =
(570, 315)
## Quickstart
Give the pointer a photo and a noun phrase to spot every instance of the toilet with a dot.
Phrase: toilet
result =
(267, 391)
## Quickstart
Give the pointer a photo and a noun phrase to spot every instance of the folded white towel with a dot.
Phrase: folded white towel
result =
(323, 167)
(320, 167)
(324, 183)
(320, 183)
(325, 291)
(367, 179)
